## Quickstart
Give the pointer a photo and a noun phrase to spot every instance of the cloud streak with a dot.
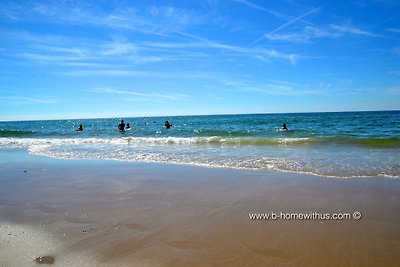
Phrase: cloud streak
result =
(254, 6)
(294, 20)
(140, 95)
(18, 100)
(271, 34)
(104, 73)
(278, 15)
(276, 88)
(310, 33)
(395, 90)
(121, 53)
(346, 29)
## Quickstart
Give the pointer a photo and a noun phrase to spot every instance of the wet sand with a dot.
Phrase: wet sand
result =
(107, 213)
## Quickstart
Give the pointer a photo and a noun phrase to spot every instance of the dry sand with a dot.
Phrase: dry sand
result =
(106, 213)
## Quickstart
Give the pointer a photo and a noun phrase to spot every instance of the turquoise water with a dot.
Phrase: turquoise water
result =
(345, 144)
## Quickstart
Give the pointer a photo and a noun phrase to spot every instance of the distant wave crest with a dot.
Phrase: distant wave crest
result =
(15, 133)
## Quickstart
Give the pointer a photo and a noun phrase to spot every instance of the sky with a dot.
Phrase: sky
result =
(84, 59)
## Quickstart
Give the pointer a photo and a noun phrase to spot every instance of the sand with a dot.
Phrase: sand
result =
(107, 213)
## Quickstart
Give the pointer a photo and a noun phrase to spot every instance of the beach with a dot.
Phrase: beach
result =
(200, 133)
(112, 213)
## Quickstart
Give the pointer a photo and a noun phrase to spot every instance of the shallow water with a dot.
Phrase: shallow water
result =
(345, 144)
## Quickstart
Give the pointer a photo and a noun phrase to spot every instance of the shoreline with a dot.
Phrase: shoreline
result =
(88, 212)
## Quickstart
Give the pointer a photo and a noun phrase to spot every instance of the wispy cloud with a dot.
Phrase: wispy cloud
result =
(180, 16)
(282, 90)
(58, 49)
(272, 34)
(396, 50)
(255, 6)
(18, 100)
(120, 56)
(119, 48)
(250, 4)
(310, 33)
(395, 72)
(123, 53)
(117, 53)
(38, 57)
(395, 90)
(278, 88)
(289, 37)
(278, 15)
(155, 20)
(395, 30)
(254, 52)
(140, 95)
(104, 73)
(294, 20)
(347, 29)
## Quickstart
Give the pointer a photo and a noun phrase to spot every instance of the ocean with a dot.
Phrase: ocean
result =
(336, 144)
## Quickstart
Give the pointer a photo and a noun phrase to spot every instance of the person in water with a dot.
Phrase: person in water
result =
(128, 126)
(121, 126)
(284, 127)
(80, 129)
(167, 124)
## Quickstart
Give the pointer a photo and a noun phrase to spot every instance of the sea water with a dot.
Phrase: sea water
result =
(342, 144)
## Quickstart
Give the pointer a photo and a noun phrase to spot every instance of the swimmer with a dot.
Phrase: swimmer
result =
(80, 129)
(121, 126)
(167, 124)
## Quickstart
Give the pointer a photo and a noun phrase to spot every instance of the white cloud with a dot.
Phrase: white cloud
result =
(118, 48)
(58, 49)
(250, 4)
(310, 33)
(282, 90)
(140, 95)
(178, 16)
(289, 37)
(254, 52)
(50, 58)
(278, 88)
(347, 29)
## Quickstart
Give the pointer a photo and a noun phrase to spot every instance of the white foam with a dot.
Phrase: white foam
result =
(218, 152)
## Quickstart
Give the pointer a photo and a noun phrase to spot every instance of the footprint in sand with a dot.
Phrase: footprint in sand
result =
(45, 260)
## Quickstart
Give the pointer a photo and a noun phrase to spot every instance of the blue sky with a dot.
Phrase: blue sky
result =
(81, 59)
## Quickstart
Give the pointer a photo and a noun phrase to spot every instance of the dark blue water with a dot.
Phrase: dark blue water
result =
(345, 144)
